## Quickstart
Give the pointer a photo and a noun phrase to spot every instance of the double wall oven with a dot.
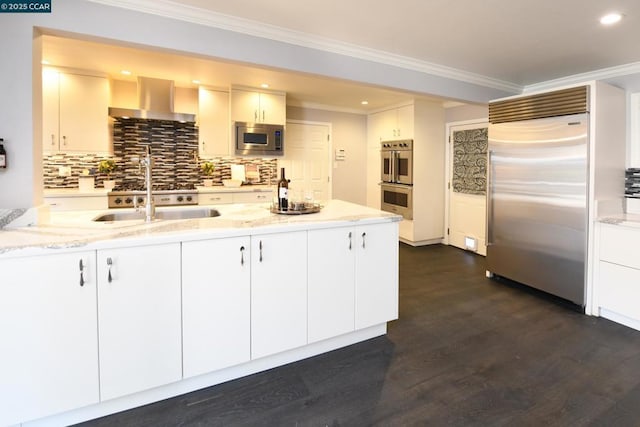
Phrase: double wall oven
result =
(396, 188)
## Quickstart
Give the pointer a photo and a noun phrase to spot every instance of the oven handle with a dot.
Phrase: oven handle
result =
(392, 167)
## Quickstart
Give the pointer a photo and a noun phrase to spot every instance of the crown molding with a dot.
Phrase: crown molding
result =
(601, 74)
(170, 9)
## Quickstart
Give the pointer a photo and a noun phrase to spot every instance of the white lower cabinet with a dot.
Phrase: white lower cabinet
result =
(216, 292)
(81, 328)
(621, 289)
(49, 347)
(278, 292)
(618, 276)
(139, 318)
(376, 275)
(331, 282)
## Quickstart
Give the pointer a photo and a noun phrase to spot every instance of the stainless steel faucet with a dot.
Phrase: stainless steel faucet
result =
(149, 206)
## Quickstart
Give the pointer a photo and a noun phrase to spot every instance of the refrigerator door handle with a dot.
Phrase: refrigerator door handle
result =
(489, 211)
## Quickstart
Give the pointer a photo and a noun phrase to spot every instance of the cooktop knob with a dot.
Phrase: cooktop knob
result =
(180, 198)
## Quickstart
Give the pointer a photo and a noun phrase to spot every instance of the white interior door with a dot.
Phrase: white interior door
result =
(467, 187)
(306, 160)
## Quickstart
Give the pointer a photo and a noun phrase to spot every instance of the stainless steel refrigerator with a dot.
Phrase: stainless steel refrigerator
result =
(537, 203)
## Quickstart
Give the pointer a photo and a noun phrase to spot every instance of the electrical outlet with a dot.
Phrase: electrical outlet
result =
(64, 171)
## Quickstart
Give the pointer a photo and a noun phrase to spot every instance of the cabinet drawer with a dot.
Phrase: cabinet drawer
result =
(215, 198)
(77, 203)
(254, 197)
(617, 245)
(619, 289)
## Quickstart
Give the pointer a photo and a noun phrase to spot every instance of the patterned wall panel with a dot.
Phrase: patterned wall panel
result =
(470, 161)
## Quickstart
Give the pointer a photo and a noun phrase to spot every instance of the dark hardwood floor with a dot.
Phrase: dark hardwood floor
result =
(466, 351)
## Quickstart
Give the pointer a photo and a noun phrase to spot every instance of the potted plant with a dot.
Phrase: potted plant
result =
(207, 170)
(108, 166)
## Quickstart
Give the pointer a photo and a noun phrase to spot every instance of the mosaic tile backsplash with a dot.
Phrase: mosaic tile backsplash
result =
(174, 148)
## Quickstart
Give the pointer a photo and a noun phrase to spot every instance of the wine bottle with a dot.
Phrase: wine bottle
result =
(283, 192)
(3, 155)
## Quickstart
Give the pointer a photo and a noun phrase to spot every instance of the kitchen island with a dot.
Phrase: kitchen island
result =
(100, 317)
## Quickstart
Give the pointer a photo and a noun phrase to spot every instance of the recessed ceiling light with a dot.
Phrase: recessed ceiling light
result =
(195, 82)
(44, 62)
(264, 85)
(364, 102)
(125, 72)
(610, 18)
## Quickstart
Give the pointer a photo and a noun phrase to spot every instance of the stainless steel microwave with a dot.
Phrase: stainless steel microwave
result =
(259, 139)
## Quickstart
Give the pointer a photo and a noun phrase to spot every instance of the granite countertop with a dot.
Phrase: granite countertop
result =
(75, 229)
(625, 219)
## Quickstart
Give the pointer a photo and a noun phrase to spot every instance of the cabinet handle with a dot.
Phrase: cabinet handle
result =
(81, 274)
(109, 277)
(64, 140)
(255, 115)
(363, 236)
(349, 240)
(203, 145)
(241, 255)
(53, 140)
(263, 116)
(260, 250)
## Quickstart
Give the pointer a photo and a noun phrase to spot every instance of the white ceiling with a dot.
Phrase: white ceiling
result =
(513, 42)
(517, 41)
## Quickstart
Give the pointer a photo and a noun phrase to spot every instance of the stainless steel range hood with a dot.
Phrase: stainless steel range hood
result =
(155, 102)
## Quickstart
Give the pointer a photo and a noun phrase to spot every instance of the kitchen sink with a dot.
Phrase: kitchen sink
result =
(160, 214)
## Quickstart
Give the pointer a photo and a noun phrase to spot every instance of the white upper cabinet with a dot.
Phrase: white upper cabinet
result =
(255, 106)
(213, 122)
(75, 112)
(396, 123)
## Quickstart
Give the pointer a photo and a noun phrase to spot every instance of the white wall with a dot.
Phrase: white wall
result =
(349, 131)
(20, 184)
(466, 112)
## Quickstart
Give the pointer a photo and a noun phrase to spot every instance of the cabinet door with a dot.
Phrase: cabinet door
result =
(49, 344)
(213, 122)
(84, 108)
(50, 110)
(273, 109)
(245, 106)
(215, 198)
(376, 274)
(404, 122)
(331, 282)
(252, 197)
(386, 122)
(278, 292)
(619, 289)
(216, 314)
(139, 318)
